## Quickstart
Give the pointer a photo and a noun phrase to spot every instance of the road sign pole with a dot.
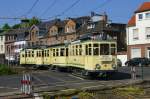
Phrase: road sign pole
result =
(142, 72)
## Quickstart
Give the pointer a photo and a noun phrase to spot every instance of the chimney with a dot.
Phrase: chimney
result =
(105, 17)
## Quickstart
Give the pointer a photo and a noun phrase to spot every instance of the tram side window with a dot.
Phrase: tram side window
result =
(62, 50)
(104, 49)
(47, 53)
(53, 52)
(95, 49)
(66, 51)
(73, 50)
(42, 53)
(57, 52)
(22, 55)
(29, 54)
(90, 49)
(86, 48)
(80, 50)
(25, 54)
(76, 50)
(32, 53)
(113, 49)
(37, 54)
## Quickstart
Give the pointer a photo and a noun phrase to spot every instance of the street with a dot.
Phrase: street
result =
(53, 80)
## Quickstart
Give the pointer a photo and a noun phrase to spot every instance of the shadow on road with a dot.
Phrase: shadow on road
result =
(114, 76)
(120, 76)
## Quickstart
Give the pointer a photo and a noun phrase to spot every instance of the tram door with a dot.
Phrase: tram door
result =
(88, 56)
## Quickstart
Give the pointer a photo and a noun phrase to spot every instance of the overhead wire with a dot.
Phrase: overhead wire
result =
(30, 10)
(66, 10)
(49, 7)
(100, 6)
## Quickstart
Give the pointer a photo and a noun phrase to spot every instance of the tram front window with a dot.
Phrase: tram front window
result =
(95, 49)
(104, 49)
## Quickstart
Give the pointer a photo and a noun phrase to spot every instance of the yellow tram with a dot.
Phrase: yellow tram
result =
(87, 56)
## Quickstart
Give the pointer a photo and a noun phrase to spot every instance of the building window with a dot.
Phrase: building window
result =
(1, 38)
(147, 15)
(148, 32)
(140, 16)
(1, 47)
(91, 26)
(135, 34)
(70, 29)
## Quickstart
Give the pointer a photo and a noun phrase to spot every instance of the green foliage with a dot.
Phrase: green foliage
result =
(6, 27)
(4, 70)
(86, 95)
(46, 96)
(126, 91)
(16, 26)
(34, 21)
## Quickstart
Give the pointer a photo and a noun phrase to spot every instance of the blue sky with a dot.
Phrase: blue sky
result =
(118, 11)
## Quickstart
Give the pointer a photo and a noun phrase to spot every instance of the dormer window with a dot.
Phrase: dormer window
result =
(140, 16)
(70, 29)
(147, 15)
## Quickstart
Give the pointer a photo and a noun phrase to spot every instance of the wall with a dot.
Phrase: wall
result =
(141, 25)
(2, 44)
(123, 59)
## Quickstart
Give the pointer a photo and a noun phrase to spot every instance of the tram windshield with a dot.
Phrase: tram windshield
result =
(104, 49)
(100, 49)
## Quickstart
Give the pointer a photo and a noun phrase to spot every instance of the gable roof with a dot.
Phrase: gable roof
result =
(144, 7)
(17, 31)
(132, 21)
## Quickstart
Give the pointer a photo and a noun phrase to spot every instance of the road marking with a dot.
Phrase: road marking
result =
(76, 77)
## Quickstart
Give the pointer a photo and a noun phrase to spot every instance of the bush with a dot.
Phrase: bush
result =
(5, 70)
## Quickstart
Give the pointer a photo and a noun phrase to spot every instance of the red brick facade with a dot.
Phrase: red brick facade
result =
(143, 48)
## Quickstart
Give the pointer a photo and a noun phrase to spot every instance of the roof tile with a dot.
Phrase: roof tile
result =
(132, 21)
(144, 7)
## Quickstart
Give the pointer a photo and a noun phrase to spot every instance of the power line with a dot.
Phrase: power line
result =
(100, 6)
(49, 7)
(70, 7)
(66, 10)
(30, 10)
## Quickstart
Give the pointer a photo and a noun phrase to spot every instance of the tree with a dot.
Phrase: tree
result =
(16, 26)
(6, 27)
(33, 21)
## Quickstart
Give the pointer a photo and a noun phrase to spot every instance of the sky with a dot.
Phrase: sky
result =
(119, 11)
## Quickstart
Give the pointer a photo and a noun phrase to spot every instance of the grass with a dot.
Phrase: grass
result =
(129, 91)
(5, 70)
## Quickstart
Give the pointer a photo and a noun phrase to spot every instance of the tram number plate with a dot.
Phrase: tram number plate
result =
(106, 58)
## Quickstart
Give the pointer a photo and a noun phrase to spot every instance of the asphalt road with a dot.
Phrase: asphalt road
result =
(52, 80)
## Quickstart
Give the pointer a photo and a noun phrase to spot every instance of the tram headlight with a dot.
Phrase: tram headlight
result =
(114, 66)
(98, 66)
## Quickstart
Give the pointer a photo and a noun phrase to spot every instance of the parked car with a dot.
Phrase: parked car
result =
(138, 60)
(119, 63)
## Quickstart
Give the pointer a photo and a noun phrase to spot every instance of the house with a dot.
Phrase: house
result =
(2, 48)
(15, 41)
(138, 32)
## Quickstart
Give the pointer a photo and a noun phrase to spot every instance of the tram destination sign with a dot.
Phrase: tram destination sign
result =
(105, 58)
